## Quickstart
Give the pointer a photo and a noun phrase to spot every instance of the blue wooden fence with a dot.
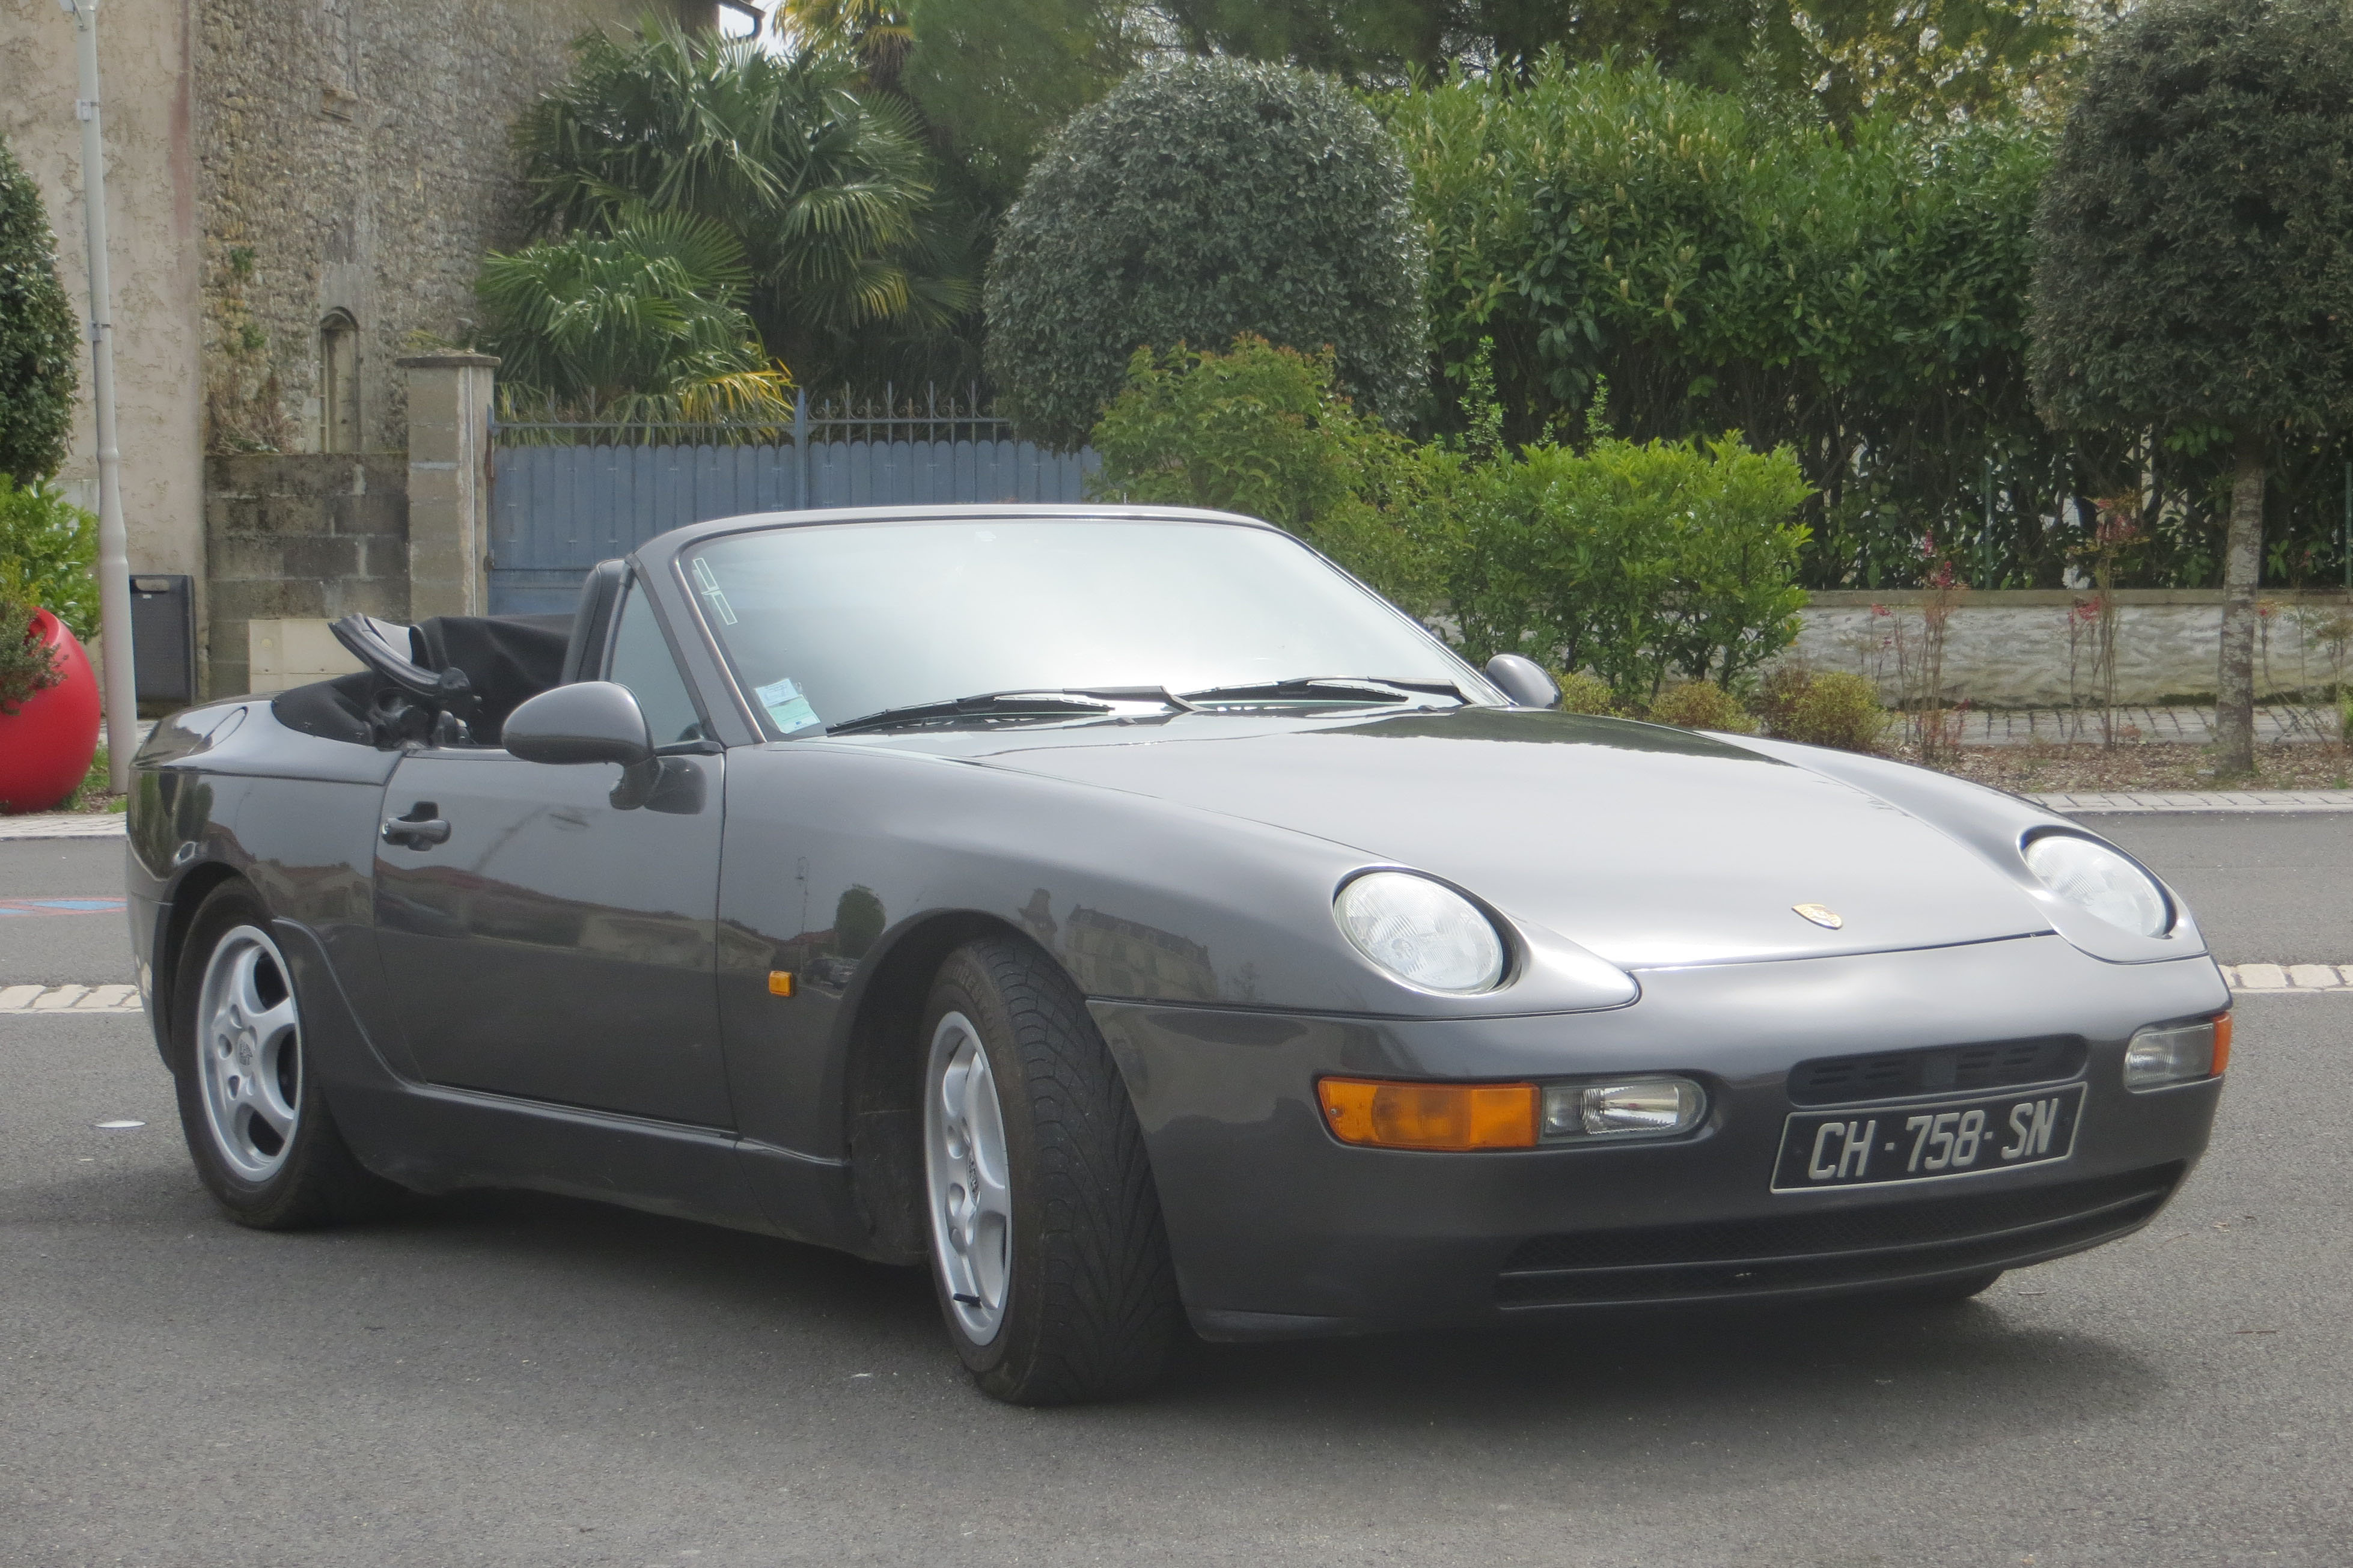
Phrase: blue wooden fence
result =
(564, 497)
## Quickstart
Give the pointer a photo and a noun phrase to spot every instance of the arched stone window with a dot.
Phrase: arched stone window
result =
(339, 384)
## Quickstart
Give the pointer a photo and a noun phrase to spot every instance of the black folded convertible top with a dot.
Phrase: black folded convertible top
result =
(507, 658)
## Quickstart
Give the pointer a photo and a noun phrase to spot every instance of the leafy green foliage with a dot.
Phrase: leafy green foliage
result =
(640, 325)
(1204, 199)
(27, 664)
(828, 193)
(1583, 693)
(1702, 705)
(48, 552)
(1634, 560)
(994, 78)
(37, 334)
(2196, 230)
(1928, 58)
(1857, 299)
(1835, 708)
(1265, 431)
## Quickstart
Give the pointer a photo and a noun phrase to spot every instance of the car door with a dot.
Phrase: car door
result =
(548, 945)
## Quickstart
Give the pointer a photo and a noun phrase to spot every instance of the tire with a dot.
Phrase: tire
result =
(1944, 1292)
(256, 1121)
(1046, 1247)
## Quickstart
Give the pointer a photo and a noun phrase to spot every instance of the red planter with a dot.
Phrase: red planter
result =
(46, 744)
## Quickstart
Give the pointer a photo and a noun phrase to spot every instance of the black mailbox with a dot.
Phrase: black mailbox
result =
(163, 638)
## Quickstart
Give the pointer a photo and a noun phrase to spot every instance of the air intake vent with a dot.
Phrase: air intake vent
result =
(1945, 1070)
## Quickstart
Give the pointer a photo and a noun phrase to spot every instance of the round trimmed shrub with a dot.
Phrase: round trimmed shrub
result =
(1203, 199)
(38, 340)
(1583, 693)
(1836, 708)
(1703, 705)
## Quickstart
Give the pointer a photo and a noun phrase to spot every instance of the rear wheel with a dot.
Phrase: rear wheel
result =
(1046, 1247)
(256, 1126)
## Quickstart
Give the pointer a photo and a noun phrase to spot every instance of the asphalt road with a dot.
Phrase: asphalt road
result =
(507, 1379)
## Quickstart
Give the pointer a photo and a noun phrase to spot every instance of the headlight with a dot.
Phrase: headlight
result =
(1424, 934)
(2177, 1053)
(2101, 880)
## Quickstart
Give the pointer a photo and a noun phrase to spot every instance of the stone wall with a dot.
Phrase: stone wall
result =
(292, 541)
(353, 157)
(151, 208)
(2043, 648)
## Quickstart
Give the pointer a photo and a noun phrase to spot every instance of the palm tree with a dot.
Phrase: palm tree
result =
(639, 326)
(828, 192)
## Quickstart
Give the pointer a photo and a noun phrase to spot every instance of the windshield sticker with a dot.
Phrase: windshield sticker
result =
(712, 594)
(788, 707)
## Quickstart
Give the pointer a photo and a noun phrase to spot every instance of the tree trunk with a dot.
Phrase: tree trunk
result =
(2242, 562)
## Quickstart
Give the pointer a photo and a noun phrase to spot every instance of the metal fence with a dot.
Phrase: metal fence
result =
(566, 496)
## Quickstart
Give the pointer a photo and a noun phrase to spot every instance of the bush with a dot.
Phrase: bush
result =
(48, 548)
(1203, 199)
(1778, 693)
(38, 340)
(1702, 705)
(1836, 708)
(1634, 560)
(1581, 693)
(1264, 431)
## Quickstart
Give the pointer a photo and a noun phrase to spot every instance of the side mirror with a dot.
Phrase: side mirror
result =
(1523, 680)
(588, 721)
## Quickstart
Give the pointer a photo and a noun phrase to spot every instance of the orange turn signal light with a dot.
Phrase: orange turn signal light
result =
(780, 983)
(1444, 1116)
(2222, 1044)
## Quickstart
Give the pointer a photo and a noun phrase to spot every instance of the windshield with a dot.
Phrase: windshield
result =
(827, 622)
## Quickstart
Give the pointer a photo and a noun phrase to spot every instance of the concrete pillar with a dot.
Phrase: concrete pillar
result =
(448, 484)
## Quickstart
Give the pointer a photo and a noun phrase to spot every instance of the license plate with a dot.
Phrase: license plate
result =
(1928, 1143)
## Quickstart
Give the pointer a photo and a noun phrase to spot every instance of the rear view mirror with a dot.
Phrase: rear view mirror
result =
(1523, 680)
(588, 721)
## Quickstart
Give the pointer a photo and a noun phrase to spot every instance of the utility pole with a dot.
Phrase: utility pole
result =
(121, 688)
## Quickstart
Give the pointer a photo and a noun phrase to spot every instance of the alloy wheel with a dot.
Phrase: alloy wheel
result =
(248, 1053)
(969, 1182)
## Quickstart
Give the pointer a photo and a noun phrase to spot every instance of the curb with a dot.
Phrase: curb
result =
(63, 824)
(2277, 802)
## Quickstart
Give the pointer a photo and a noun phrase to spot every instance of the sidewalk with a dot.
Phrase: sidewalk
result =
(2181, 726)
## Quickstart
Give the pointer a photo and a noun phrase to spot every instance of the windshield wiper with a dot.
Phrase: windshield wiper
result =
(1329, 687)
(1030, 703)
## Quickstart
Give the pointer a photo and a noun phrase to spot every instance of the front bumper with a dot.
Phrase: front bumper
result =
(1277, 1229)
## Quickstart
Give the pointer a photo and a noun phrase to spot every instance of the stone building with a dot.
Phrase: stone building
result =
(299, 190)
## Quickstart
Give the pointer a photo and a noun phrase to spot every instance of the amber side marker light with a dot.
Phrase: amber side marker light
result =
(780, 983)
(2222, 1044)
(1445, 1116)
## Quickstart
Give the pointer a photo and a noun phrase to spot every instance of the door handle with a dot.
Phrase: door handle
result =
(421, 828)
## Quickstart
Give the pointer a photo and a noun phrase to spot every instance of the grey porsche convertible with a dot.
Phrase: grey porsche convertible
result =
(1131, 918)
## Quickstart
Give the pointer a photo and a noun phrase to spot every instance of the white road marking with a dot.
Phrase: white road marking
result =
(81, 1000)
(2288, 979)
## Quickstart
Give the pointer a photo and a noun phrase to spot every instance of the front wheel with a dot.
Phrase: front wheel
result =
(1046, 1247)
(256, 1124)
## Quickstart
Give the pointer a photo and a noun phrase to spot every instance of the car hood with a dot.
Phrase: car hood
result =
(1646, 846)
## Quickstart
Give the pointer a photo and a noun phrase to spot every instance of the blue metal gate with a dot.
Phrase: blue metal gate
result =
(564, 497)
